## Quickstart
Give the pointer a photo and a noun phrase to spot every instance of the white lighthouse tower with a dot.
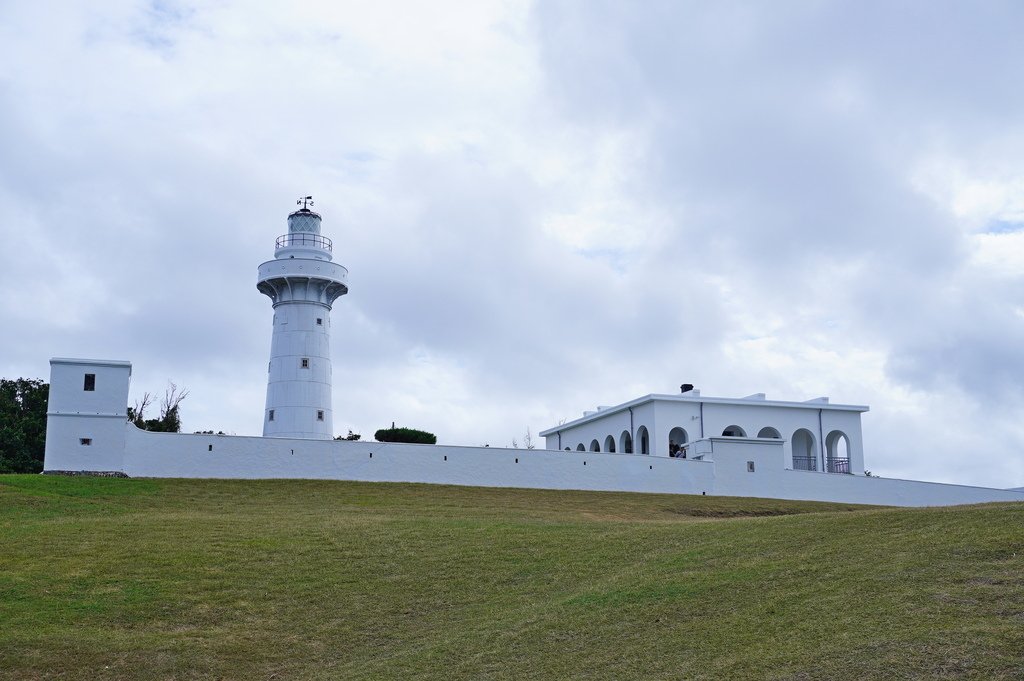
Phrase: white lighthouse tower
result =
(303, 283)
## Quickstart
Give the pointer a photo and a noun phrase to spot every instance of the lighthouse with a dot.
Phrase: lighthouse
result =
(302, 282)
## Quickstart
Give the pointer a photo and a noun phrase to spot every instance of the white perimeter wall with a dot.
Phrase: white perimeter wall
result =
(770, 480)
(174, 455)
(190, 456)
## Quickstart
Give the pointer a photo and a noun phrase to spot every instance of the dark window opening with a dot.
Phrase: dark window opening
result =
(209, 448)
(319, 415)
(319, 321)
(270, 417)
(305, 362)
(90, 382)
(86, 441)
(750, 466)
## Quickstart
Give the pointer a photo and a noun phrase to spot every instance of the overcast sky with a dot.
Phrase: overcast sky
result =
(542, 207)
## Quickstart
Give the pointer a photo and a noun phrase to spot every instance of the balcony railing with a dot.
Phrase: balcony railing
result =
(805, 463)
(838, 465)
(303, 239)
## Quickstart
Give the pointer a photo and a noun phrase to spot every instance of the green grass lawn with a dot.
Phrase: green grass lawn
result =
(115, 578)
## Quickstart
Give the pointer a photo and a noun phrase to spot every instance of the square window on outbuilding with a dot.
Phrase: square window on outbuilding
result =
(305, 362)
(90, 382)
(85, 441)
(319, 414)
(319, 321)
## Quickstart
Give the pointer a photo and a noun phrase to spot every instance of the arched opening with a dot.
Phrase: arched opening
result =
(768, 431)
(644, 439)
(837, 452)
(734, 431)
(595, 446)
(567, 449)
(805, 456)
(609, 444)
(581, 447)
(677, 437)
(625, 443)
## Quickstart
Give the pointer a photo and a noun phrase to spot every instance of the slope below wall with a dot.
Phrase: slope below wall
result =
(164, 455)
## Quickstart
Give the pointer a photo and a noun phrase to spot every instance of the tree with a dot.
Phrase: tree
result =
(22, 424)
(410, 435)
(527, 441)
(169, 420)
(351, 437)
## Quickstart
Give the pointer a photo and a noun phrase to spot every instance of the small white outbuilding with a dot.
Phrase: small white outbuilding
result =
(86, 414)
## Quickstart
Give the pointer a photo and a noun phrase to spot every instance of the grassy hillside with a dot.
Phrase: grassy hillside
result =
(109, 578)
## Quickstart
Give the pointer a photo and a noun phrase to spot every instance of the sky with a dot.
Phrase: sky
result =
(542, 206)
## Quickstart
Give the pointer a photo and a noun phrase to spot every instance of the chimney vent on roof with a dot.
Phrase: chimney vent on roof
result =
(686, 387)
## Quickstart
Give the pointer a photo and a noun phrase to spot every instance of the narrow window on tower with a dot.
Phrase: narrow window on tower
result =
(319, 321)
(319, 415)
(270, 416)
(90, 382)
(305, 362)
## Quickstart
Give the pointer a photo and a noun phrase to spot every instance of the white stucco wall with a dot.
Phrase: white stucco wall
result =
(724, 472)
(768, 480)
(211, 456)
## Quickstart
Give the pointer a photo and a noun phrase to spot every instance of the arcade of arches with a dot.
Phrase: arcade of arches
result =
(806, 456)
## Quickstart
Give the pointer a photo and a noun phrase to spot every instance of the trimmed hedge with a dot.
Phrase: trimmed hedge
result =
(412, 435)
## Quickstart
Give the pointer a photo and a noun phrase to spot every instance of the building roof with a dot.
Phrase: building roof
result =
(694, 397)
(91, 362)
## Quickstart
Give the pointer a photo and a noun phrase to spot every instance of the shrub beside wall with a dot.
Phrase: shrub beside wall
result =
(410, 435)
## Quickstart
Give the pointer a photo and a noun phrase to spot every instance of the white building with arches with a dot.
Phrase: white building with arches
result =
(809, 436)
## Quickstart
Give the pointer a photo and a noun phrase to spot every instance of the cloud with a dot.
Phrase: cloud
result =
(542, 207)
(826, 166)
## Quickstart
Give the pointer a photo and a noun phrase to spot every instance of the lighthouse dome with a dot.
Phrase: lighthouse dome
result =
(304, 221)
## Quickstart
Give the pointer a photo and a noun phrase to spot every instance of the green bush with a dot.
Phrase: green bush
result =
(22, 424)
(412, 435)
